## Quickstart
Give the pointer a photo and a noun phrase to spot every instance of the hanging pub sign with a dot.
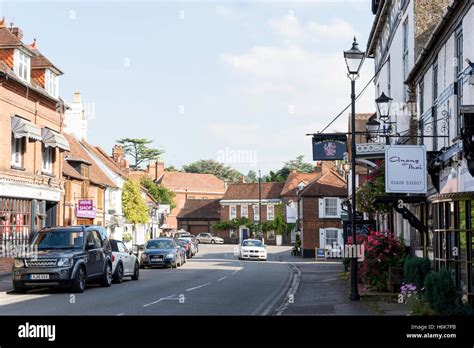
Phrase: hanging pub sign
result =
(329, 147)
(405, 169)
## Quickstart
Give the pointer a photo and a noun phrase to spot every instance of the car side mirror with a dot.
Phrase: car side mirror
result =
(90, 246)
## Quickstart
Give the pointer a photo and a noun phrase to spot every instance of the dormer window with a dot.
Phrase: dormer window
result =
(21, 65)
(51, 83)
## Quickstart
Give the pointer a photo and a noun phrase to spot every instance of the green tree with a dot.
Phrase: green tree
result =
(210, 166)
(297, 164)
(171, 169)
(251, 177)
(134, 206)
(160, 193)
(273, 177)
(138, 149)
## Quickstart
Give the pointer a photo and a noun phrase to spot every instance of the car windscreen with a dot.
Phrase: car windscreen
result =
(159, 244)
(114, 245)
(59, 239)
(185, 240)
(257, 243)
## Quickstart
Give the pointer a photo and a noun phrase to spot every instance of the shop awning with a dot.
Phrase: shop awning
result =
(54, 139)
(22, 128)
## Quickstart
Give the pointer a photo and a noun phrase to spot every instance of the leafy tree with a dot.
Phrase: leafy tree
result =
(171, 169)
(251, 177)
(210, 166)
(273, 177)
(297, 164)
(160, 193)
(138, 149)
(134, 206)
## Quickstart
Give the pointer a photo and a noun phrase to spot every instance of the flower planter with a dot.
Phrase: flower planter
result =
(279, 239)
(395, 279)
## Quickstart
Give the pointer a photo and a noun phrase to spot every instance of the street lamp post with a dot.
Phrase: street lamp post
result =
(260, 233)
(354, 59)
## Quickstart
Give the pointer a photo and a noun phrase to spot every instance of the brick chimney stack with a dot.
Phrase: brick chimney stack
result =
(118, 156)
(155, 169)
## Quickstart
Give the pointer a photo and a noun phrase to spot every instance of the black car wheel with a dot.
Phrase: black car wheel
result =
(106, 279)
(18, 289)
(79, 282)
(213, 241)
(118, 276)
(136, 272)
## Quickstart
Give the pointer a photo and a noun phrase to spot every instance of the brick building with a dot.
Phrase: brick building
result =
(185, 186)
(84, 187)
(319, 212)
(242, 200)
(31, 141)
(199, 215)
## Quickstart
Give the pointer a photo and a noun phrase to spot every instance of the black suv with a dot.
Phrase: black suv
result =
(65, 257)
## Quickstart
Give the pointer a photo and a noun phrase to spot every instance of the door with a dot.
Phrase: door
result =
(244, 234)
(93, 254)
(205, 238)
(128, 264)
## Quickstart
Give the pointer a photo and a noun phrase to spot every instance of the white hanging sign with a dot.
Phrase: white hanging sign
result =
(405, 169)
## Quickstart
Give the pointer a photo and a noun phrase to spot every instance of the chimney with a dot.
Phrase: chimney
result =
(160, 169)
(17, 32)
(118, 156)
(318, 167)
(77, 97)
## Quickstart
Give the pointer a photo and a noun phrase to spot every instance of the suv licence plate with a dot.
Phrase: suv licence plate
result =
(39, 276)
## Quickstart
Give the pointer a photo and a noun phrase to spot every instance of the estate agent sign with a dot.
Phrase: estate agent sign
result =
(405, 169)
(85, 209)
(329, 147)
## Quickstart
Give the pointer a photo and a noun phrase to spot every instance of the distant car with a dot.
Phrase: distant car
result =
(187, 245)
(182, 234)
(161, 252)
(194, 244)
(66, 257)
(252, 249)
(209, 238)
(124, 262)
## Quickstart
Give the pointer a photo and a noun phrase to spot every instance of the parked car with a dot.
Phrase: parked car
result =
(252, 249)
(194, 244)
(66, 257)
(187, 245)
(209, 238)
(162, 252)
(182, 233)
(124, 262)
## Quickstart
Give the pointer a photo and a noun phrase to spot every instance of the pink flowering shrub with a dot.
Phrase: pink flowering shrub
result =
(381, 251)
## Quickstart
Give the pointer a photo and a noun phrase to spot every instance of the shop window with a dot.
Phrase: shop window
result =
(15, 221)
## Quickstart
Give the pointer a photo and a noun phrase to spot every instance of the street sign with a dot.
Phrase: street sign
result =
(329, 147)
(405, 169)
(320, 253)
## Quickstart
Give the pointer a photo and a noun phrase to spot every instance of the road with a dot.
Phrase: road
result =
(214, 282)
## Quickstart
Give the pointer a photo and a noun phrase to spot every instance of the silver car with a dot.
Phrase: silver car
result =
(209, 238)
(124, 262)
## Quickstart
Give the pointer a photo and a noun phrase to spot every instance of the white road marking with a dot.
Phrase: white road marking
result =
(120, 314)
(197, 287)
(222, 278)
(159, 300)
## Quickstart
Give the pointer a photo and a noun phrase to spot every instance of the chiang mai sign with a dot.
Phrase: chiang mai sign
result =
(405, 169)
(329, 147)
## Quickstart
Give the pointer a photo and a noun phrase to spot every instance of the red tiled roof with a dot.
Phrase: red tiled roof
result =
(9, 39)
(270, 190)
(40, 61)
(201, 209)
(294, 179)
(96, 175)
(102, 155)
(329, 184)
(192, 182)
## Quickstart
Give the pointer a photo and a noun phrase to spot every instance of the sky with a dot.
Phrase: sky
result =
(238, 82)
